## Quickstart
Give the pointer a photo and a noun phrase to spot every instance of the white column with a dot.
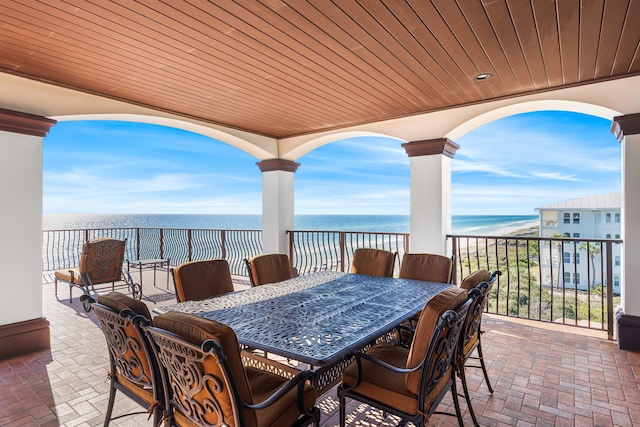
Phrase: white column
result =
(277, 204)
(22, 327)
(627, 130)
(430, 199)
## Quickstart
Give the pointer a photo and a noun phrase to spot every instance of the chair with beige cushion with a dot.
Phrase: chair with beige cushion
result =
(101, 262)
(373, 262)
(269, 268)
(133, 367)
(482, 280)
(411, 382)
(427, 267)
(198, 280)
(207, 384)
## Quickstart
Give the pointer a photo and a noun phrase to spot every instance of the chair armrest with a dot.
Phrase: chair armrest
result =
(297, 381)
(360, 355)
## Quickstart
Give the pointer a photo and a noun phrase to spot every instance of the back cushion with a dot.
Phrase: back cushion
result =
(449, 299)
(373, 262)
(475, 278)
(198, 280)
(270, 268)
(427, 267)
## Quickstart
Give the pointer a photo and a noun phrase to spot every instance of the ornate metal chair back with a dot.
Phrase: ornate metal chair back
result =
(207, 380)
(101, 260)
(133, 367)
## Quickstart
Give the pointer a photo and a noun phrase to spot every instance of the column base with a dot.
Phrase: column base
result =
(628, 332)
(24, 337)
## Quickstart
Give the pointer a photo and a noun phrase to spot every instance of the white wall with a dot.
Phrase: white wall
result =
(20, 227)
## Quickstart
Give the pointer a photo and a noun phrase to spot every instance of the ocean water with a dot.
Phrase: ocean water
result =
(461, 224)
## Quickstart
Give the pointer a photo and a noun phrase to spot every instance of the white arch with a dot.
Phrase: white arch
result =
(218, 134)
(312, 144)
(531, 106)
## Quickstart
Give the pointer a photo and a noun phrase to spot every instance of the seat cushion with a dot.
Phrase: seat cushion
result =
(145, 393)
(285, 411)
(475, 278)
(381, 384)
(71, 275)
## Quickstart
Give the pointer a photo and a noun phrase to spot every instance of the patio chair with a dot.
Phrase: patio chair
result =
(101, 262)
(482, 280)
(427, 267)
(206, 383)
(373, 262)
(269, 268)
(410, 383)
(198, 280)
(133, 367)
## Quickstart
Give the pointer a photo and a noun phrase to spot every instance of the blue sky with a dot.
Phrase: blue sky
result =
(509, 166)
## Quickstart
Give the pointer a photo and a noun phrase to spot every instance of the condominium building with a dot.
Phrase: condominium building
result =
(578, 259)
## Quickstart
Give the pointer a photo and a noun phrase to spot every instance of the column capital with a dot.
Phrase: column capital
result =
(430, 147)
(23, 123)
(278, 165)
(626, 125)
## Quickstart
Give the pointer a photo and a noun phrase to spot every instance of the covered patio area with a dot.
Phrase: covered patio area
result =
(543, 375)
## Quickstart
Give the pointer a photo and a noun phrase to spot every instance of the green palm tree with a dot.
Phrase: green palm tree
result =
(592, 249)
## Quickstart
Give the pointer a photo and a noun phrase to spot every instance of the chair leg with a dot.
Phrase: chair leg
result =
(112, 399)
(55, 281)
(342, 411)
(484, 368)
(465, 390)
(456, 404)
(70, 294)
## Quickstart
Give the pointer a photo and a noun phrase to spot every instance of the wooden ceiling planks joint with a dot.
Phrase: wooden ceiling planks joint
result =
(283, 68)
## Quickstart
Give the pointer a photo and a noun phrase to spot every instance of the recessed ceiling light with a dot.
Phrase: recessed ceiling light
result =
(482, 76)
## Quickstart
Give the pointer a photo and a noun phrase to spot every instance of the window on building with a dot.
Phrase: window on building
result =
(617, 217)
(617, 236)
(608, 236)
(567, 277)
(608, 217)
(567, 258)
(576, 218)
(577, 258)
(566, 235)
(577, 278)
(616, 281)
(567, 218)
(576, 234)
(617, 261)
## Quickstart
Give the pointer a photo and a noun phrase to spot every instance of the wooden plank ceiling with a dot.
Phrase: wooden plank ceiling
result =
(289, 67)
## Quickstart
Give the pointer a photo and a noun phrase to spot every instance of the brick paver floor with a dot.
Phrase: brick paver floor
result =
(543, 375)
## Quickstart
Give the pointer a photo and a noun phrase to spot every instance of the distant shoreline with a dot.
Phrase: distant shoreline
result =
(526, 232)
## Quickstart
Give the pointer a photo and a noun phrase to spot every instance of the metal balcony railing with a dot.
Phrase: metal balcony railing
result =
(571, 281)
(313, 251)
(62, 248)
(561, 280)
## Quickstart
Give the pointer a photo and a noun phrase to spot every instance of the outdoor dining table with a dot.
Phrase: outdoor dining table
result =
(316, 319)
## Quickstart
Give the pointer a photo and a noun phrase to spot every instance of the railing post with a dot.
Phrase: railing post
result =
(609, 290)
(223, 241)
(162, 243)
(290, 233)
(342, 250)
(137, 243)
(454, 251)
(189, 246)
